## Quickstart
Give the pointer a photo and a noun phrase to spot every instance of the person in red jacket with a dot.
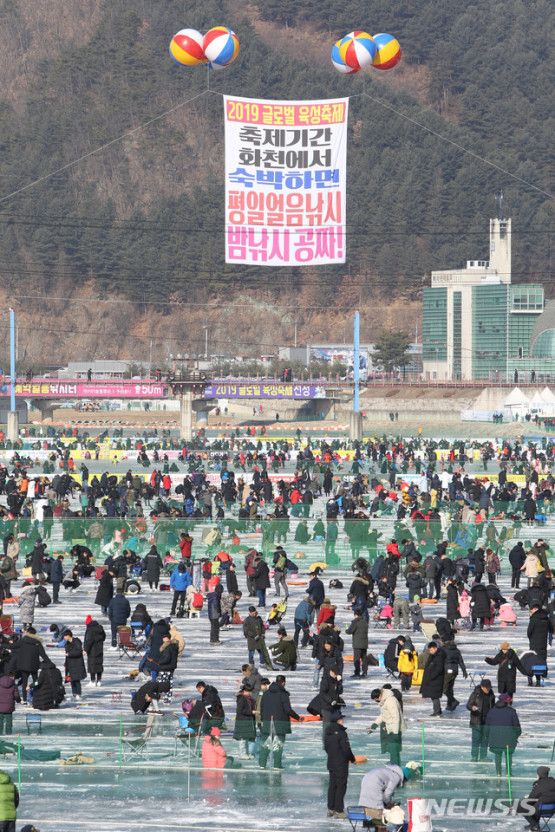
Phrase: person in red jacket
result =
(393, 549)
(326, 614)
(186, 545)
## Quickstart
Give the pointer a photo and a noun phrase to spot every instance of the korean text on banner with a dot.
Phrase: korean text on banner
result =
(285, 192)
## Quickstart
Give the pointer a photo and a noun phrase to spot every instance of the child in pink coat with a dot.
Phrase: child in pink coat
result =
(213, 752)
(507, 615)
(464, 604)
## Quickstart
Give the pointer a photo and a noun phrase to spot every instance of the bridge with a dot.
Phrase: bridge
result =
(194, 391)
(236, 388)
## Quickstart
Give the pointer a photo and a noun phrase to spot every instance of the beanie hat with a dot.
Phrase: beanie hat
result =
(89, 619)
(411, 770)
(215, 732)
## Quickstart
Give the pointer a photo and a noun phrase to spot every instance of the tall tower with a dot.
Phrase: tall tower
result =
(500, 243)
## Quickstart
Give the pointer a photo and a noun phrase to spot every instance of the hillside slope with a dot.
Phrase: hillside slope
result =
(141, 222)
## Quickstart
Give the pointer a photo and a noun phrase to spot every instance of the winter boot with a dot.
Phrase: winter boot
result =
(263, 756)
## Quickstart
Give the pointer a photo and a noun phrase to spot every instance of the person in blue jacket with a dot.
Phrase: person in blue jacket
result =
(179, 581)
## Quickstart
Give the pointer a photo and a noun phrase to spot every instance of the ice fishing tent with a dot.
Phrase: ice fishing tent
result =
(516, 403)
(536, 403)
(548, 402)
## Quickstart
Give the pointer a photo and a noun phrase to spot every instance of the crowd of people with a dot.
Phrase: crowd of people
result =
(452, 528)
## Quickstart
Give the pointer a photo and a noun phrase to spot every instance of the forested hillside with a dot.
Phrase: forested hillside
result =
(142, 221)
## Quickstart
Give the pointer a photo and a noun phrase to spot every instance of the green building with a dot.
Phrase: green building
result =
(478, 326)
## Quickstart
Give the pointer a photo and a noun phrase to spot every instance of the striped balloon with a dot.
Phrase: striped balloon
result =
(221, 47)
(389, 51)
(338, 61)
(186, 48)
(358, 49)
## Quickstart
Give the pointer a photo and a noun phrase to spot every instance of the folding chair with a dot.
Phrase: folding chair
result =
(379, 623)
(134, 744)
(133, 747)
(475, 678)
(546, 813)
(126, 643)
(183, 738)
(33, 720)
(356, 815)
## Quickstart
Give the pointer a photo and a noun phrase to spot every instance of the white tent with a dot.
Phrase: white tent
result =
(536, 403)
(548, 402)
(547, 396)
(516, 402)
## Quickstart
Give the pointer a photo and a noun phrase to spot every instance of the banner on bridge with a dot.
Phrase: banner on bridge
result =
(285, 173)
(264, 391)
(89, 390)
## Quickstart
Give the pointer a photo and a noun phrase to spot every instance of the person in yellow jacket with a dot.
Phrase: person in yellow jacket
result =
(9, 801)
(407, 663)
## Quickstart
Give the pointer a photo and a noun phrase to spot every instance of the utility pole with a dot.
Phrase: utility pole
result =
(13, 416)
(355, 421)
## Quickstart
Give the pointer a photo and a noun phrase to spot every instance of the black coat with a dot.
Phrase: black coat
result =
(49, 689)
(502, 727)
(391, 654)
(543, 790)
(517, 556)
(262, 576)
(168, 658)
(316, 591)
(479, 601)
(329, 698)
(75, 664)
(119, 609)
(153, 689)
(153, 564)
(245, 728)
(93, 646)
(337, 747)
(508, 664)
(160, 629)
(452, 602)
(358, 629)
(453, 660)
(105, 591)
(253, 630)
(539, 629)
(231, 582)
(434, 672)
(29, 652)
(484, 703)
(276, 711)
(37, 556)
(212, 703)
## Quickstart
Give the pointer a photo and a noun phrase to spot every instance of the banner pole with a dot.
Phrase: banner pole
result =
(120, 755)
(19, 762)
(509, 784)
(423, 744)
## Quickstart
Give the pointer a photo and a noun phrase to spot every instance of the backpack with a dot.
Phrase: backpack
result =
(198, 600)
(43, 597)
